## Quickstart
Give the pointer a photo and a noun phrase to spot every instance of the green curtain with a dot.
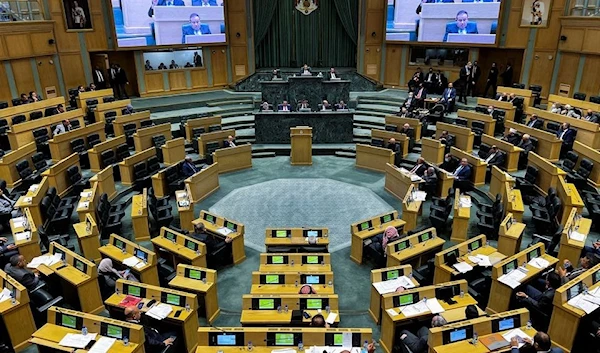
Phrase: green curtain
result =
(348, 13)
(264, 10)
(319, 39)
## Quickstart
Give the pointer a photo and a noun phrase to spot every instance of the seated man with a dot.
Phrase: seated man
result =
(230, 142)
(444, 136)
(303, 105)
(62, 127)
(4, 247)
(379, 244)
(511, 97)
(341, 106)
(512, 137)
(449, 98)
(276, 74)
(265, 107)
(449, 164)
(589, 116)
(284, 107)
(535, 122)
(173, 65)
(556, 108)
(305, 70)
(17, 269)
(318, 321)
(431, 180)
(194, 28)
(494, 157)
(404, 113)
(527, 147)
(325, 105)
(396, 148)
(128, 109)
(418, 343)
(420, 167)
(332, 74)
(410, 103)
(491, 111)
(92, 87)
(461, 26)
(541, 343)
(154, 341)
(532, 298)
(209, 240)
(188, 168)
(462, 175)
(407, 130)
(502, 97)
(567, 272)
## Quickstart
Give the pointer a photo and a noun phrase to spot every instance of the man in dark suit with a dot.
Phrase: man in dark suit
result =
(197, 59)
(464, 77)
(502, 97)
(154, 341)
(407, 130)
(431, 180)
(527, 147)
(332, 74)
(393, 145)
(590, 116)
(341, 105)
(194, 28)
(420, 167)
(303, 105)
(507, 76)
(326, 106)
(305, 70)
(532, 298)
(99, 78)
(170, 3)
(462, 174)
(441, 83)
(404, 113)
(449, 164)
(511, 137)
(430, 80)
(17, 270)
(567, 136)
(535, 122)
(410, 103)
(210, 241)
(204, 3)
(449, 98)
(416, 79)
(541, 343)
(494, 157)
(473, 78)
(461, 25)
(492, 80)
(284, 107)
(420, 96)
(188, 168)
(230, 142)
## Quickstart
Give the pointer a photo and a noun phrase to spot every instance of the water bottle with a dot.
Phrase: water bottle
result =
(330, 283)
(13, 300)
(204, 280)
(529, 324)
(327, 309)
(84, 331)
(462, 293)
(292, 262)
(296, 283)
(187, 307)
(365, 347)
(279, 309)
(475, 338)
(285, 308)
(250, 347)
(300, 346)
(126, 341)
(323, 263)
(117, 290)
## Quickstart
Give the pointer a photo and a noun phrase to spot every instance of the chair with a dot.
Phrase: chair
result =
(3, 105)
(56, 220)
(41, 301)
(174, 178)
(18, 119)
(109, 222)
(461, 122)
(546, 220)
(77, 181)
(519, 85)
(478, 128)
(579, 177)
(390, 127)
(78, 146)
(115, 208)
(36, 115)
(196, 133)
(153, 165)
(159, 141)
(108, 99)
(39, 162)
(479, 289)
(139, 170)
(163, 202)
(579, 96)
(212, 128)
(27, 176)
(146, 123)
(46, 239)
(552, 127)
(93, 140)
(41, 137)
(109, 118)
(162, 216)
(568, 164)
(108, 158)
(439, 217)
(75, 125)
(490, 217)
(3, 126)
(128, 131)
(122, 152)
(595, 99)
(527, 182)
(484, 150)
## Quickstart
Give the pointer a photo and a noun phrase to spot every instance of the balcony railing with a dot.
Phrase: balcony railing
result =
(20, 10)
(586, 8)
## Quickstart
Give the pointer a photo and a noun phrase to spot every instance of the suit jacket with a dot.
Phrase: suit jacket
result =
(464, 173)
(207, 239)
(329, 74)
(512, 139)
(463, 75)
(188, 169)
(498, 159)
(187, 30)
(408, 133)
(409, 102)
(280, 107)
(569, 136)
(420, 170)
(430, 179)
(23, 276)
(175, 2)
(431, 77)
(96, 79)
(507, 76)
(302, 70)
(449, 93)
(543, 303)
(393, 146)
(453, 28)
(341, 106)
(475, 73)
(537, 124)
(423, 93)
(527, 146)
(449, 166)
(227, 144)
(121, 76)
(493, 75)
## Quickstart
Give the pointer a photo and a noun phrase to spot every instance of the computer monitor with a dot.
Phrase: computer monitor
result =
(390, 275)
(231, 226)
(474, 245)
(506, 268)
(226, 340)
(446, 293)
(312, 279)
(141, 254)
(401, 245)
(386, 218)
(80, 265)
(195, 274)
(69, 321)
(574, 291)
(192, 245)
(314, 304)
(312, 233)
(405, 299)
(509, 223)
(173, 299)
(451, 257)
(312, 259)
(506, 323)
(537, 252)
(266, 304)
(364, 225)
(277, 259)
(119, 244)
(280, 233)
(170, 236)
(135, 291)
(284, 339)
(596, 277)
(459, 334)
(425, 236)
(114, 331)
(337, 340)
(271, 279)
(209, 218)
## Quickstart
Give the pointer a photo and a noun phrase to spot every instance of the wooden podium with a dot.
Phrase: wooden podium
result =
(301, 145)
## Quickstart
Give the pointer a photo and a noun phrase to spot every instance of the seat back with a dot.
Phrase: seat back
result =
(139, 170)
(146, 123)
(460, 122)
(39, 161)
(585, 168)
(78, 145)
(122, 151)
(552, 126)
(18, 119)
(153, 165)
(212, 128)
(484, 150)
(35, 115)
(129, 129)
(73, 174)
(579, 96)
(108, 99)
(197, 131)
(107, 157)
(3, 126)
(23, 168)
(159, 140)
(531, 173)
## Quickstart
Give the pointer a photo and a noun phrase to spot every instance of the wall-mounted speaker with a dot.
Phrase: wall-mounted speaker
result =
(563, 38)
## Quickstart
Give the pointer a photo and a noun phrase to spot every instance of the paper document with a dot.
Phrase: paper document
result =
(4, 295)
(319, 349)
(346, 340)
(592, 299)
(434, 306)
(102, 345)
(19, 222)
(76, 340)
(414, 309)
(331, 318)
(47, 260)
(481, 260)
(84, 204)
(85, 194)
(386, 287)
(575, 235)
(583, 304)
(34, 187)
(464, 201)
(538, 262)
(419, 195)
(414, 177)
(140, 265)
(392, 312)
(131, 261)
(160, 311)
(224, 231)
(512, 279)
(23, 236)
(519, 334)
(462, 267)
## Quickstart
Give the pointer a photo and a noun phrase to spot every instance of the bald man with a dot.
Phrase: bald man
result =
(155, 341)
(230, 142)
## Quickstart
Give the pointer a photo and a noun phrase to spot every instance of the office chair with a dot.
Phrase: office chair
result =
(579, 96)
(41, 137)
(519, 85)
(78, 146)
(15, 102)
(160, 202)
(425, 273)
(36, 115)
(56, 221)
(550, 241)
(41, 301)
(580, 177)
(477, 127)
(59, 203)
(595, 99)
(46, 239)
(541, 202)
(212, 128)
(479, 289)
(18, 119)
(488, 209)
(153, 165)
(39, 162)
(439, 217)
(159, 141)
(140, 174)
(568, 164)
(108, 222)
(162, 216)
(484, 150)
(526, 183)
(552, 127)
(547, 219)
(107, 158)
(78, 182)
(489, 223)
(3, 105)
(461, 122)
(28, 177)
(114, 207)
(196, 133)
(175, 179)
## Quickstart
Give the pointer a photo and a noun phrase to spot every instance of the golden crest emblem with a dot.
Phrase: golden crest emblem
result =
(307, 6)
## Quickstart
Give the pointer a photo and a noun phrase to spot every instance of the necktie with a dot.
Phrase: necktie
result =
(169, 3)
(563, 134)
(414, 170)
(419, 95)
(196, 32)
(487, 160)
(458, 170)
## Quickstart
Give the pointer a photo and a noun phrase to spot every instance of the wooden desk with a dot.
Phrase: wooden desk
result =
(380, 275)
(503, 183)
(186, 321)
(253, 316)
(373, 158)
(87, 204)
(399, 180)
(453, 312)
(105, 181)
(384, 135)
(126, 166)
(464, 136)
(94, 153)
(119, 249)
(213, 137)
(26, 109)
(512, 152)
(399, 122)
(234, 158)
(414, 249)
(204, 123)
(57, 174)
(160, 184)
(179, 248)
(507, 107)
(142, 138)
(571, 249)
(185, 209)
(526, 94)
(214, 223)
(29, 246)
(445, 180)
(570, 198)
(203, 183)
(8, 162)
(593, 155)
(21, 134)
(548, 144)
(291, 282)
(17, 316)
(475, 246)
(296, 237)
(202, 282)
(588, 133)
(173, 151)
(411, 209)
(83, 97)
(114, 106)
(566, 319)
(292, 262)
(369, 228)
(549, 174)
(510, 235)
(301, 142)
(460, 220)
(478, 165)
(78, 279)
(576, 103)
(33, 199)
(135, 118)
(471, 116)
(432, 150)
(503, 293)
(60, 145)
(139, 216)
(88, 238)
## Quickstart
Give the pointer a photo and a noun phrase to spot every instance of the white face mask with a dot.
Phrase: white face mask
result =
(447, 159)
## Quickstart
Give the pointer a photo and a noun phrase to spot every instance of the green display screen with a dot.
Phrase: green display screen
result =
(425, 236)
(79, 265)
(231, 226)
(393, 274)
(475, 245)
(119, 244)
(114, 331)
(401, 246)
(313, 304)
(195, 274)
(338, 339)
(266, 304)
(277, 260)
(312, 259)
(280, 233)
(387, 218)
(170, 236)
(272, 279)
(284, 339)
(210, 218)
(406, 299)
(173, 299)
(364, 225)
(135, 291)
(191, 245)
(69, 321)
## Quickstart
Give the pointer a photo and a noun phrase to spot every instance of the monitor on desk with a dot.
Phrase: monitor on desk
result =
(312, 232)
(119, 244)
(312, 259)
(226, 339)
(231, 226)
(509, 266)
(80, 265)
(509, 223)
(365, 225)
(401, 245)
(312, 279)
(192, 245)
(172, 299)
(423, 237)
(265, 303)
(506, 323)
(574, 290)
(446, 293)
(451, 257)
(195, 274)
(272, 279)
(209, 218)
(70, 321)
(474, 245)
(386, 218)
(537, 252)
(277, 259)
(61, 253)
(459, 334)
(405, 299)
(596, 277)
(314, 304)
(141, 254)
(170, 235)
(281, 233)
(283, 339)
(337, 339)
(390, 275)
(113, 331)
(135, 291)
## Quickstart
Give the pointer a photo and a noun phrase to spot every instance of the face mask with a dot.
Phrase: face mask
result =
(447, 159)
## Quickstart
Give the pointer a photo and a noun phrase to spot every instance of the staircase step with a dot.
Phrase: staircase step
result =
(229, 102)
(263, 154)
(345, 154)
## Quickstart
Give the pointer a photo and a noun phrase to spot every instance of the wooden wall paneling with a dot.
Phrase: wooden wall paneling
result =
(237, 24)
(236, 5)
(47, 74)
(96, 40)
(516, 37)
(541, 70)
(591, 71)
(177, 80)
(376, 4)
(574, 41)
(393, 65)
(568, 70)
(154, 82)
(40, 43)
(65, 41)
(3, 49)
(20, 45)
(547, 38)
(199, 78)
(5, 92)
(72, 69)
(237, 34)
(591, 42)
(23, 74)
(374, 32)
(219, 65)
(373, 61)
(239, 62)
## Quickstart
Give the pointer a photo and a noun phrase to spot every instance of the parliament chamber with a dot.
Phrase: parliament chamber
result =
(337, 176)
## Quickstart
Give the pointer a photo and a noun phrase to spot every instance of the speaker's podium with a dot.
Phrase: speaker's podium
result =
(301, 145)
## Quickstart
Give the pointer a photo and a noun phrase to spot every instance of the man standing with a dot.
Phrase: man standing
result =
(492, 81)
(99, 79)
(421, 96)
(197, 59)
(121, 81)
(474, 77)
(507, 76)
(464, 78)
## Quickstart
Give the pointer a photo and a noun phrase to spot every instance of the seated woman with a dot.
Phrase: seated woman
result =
(111, 275)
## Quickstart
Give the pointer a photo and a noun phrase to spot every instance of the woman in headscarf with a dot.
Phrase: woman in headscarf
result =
(111, 275)
(381, 241)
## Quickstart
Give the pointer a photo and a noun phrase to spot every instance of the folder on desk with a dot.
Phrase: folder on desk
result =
(494, 342)
(130, 301)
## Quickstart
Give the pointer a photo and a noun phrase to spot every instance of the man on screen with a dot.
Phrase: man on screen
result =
(461, 25)
(204, 3)
(170, 3)
(194, 28)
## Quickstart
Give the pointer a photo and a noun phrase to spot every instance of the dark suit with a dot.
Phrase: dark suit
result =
(173, 3)
(23, 276)
(492, 81)
(154, 340)
(449, 166)
(536, 124)
(420, 169)
(226, 143)
(289, 107)
(453, 28)
(199, 2)
(512, 139)
(474, 77)
(497, 159)
(507, 77)
(464, 173)
(198, 60)
(189, 169)
(410, 103)
(539, 301)
(187, 30)
(430, 185)
(568, 137)
(527, 146)
(528, 348)
(336, 75)
(341, 106)
(420, 96)
(307, 69)
(99, 79)
(207, 239)
(449, 98)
